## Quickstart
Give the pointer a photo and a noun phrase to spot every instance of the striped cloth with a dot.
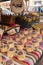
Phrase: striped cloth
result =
(32, 58)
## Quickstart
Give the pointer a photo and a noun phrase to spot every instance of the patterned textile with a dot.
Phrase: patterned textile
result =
(22, 41)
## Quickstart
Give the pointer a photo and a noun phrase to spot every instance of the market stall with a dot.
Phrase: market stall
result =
(21, 35)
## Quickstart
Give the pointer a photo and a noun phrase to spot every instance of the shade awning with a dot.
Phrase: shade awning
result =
(37, 5)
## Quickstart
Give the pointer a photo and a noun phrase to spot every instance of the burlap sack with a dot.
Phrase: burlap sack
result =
(17, 6)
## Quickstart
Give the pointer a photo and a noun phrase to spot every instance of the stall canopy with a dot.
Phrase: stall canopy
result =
(37, 5)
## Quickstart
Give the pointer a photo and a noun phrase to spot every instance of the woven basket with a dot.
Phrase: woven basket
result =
(17, 6)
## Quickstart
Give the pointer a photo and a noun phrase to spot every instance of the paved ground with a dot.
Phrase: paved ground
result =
(40, 62)
(41, 18)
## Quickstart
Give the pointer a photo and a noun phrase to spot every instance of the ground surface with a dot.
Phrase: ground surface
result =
(40, 62)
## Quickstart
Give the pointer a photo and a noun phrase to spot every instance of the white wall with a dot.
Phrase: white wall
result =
(31, 5)
(42, 2)
(31, 2)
